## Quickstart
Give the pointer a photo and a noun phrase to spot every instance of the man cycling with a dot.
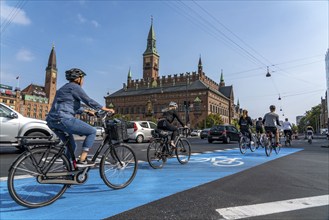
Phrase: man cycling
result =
(259, 126)
(287, 128)
(270, 121)
(165, 122)
(66, 105)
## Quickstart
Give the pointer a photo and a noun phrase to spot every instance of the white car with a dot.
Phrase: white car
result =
(196, 132)
(13, 124)
(99, 131)
(140, 131)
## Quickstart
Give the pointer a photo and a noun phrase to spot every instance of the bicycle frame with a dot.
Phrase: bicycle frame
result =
(106, 140)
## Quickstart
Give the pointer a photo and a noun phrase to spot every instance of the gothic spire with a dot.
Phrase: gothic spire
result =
(52, 59)
(151, 47)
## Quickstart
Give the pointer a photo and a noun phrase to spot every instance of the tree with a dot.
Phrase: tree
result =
(213, 119)
(310, 119)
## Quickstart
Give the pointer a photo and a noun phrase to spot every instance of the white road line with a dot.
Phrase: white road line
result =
(248, 211)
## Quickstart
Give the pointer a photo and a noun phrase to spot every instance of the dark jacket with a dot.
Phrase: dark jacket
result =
(170, 116)
(245, 123)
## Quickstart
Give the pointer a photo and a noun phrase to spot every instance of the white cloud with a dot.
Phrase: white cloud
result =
(95, 23)
(83, 20)
(13, 15)
(24, 55)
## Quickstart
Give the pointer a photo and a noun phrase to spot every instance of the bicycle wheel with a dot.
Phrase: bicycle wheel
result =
(253, 143)
(118, 166)
(267, 146)
(155, 155)
(183, 151)
(23, 178)
(243, 145)
(277, 149)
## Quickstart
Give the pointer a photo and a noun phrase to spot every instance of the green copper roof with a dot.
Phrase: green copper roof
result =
(221, 76)
(151, 47)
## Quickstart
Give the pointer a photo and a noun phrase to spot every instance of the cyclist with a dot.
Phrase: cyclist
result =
(259, 129)
(245, 122)
(259, 126)
(287, 128)
(66, 105)
(309, 132)
(165, 122)
(270, 121)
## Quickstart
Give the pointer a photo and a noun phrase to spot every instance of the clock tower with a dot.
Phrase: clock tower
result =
(151, 57)
(51, 77)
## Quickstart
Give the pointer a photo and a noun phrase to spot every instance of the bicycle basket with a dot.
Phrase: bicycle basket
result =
(117, 129)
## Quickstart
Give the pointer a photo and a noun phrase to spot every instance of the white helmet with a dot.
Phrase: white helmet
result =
(173, 104)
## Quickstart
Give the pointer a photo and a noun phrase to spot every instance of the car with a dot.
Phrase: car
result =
(204, 133)
(13, 124)
(225, 133)
(99, 131)
(140, 131)
(195, 133)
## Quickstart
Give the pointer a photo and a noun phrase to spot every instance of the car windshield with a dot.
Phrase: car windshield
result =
(218, 128)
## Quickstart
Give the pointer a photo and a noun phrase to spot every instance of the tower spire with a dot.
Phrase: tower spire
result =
(222, 82)
(200, 68)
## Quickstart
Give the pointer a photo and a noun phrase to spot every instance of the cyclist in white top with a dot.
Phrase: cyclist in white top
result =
(287, 128)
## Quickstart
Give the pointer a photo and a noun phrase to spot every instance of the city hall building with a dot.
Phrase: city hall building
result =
(196, 94)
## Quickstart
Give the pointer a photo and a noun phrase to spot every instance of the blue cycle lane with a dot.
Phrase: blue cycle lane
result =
(94, 200)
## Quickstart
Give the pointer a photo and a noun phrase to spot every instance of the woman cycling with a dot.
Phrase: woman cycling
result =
(245, 122)
(165, 122)
(66, 105)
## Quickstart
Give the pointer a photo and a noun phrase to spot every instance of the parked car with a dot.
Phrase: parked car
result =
(99, 131)
(204, 133)
(13, 124)
(140, 131)
(225, 133)
(195, 133)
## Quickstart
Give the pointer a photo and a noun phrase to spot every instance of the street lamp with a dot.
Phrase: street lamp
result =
(268, 73)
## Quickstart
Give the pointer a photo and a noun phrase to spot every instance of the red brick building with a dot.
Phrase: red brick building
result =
(35, 100)
(143, 99)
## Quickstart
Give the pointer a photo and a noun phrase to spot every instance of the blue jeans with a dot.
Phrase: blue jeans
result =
(74, 126)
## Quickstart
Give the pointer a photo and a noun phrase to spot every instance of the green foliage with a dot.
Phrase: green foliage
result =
(213, 119)
(310, 118)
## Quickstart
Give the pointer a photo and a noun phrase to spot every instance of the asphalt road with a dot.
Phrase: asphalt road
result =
(301, 175)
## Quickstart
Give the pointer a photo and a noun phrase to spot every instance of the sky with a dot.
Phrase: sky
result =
(241, 38)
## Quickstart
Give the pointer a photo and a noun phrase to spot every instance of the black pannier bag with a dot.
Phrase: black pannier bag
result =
(117, 129)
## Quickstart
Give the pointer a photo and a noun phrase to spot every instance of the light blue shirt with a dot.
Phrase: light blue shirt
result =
(67, 102)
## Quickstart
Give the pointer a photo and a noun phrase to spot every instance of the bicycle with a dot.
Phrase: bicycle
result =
(246, 143)
(287, 141)
(41, 174)
(309, 138)
(270, 144)
(260, 138)
(159, 148)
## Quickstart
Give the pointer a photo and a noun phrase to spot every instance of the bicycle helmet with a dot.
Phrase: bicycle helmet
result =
(74, 73)
(260, 118)
(173, 104)
(272, 107)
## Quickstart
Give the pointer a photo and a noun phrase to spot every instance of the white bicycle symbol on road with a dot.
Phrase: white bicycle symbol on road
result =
(222, 161)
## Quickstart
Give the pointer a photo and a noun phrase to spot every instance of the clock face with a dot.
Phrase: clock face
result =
(53, 74)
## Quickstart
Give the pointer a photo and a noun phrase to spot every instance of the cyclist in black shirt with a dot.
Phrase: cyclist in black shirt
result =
(165, 122)
(245, 122)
